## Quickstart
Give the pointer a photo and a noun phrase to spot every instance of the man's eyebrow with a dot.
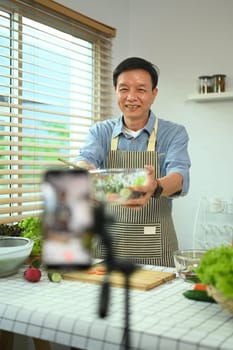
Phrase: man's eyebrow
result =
(138, 85)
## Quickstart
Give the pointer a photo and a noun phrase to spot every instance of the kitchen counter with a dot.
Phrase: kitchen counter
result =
(66, 313)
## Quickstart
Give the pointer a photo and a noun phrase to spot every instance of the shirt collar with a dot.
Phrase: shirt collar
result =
(148, 127)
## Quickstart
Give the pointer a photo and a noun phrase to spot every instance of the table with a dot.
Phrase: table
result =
(66, 313)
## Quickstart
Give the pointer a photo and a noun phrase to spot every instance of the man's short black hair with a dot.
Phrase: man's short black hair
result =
(132, 63)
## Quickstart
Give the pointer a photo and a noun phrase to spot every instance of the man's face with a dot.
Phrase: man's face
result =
(135, 95)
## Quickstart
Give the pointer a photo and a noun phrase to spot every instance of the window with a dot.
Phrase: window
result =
(55, 82)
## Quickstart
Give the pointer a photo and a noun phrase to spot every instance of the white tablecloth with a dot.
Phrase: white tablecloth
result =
(66, 313)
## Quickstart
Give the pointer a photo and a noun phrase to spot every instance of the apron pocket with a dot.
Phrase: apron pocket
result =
(136, 241)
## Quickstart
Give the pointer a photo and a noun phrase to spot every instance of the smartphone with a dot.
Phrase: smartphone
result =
(67, 220)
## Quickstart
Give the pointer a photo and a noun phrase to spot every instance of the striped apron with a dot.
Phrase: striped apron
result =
(146, 235)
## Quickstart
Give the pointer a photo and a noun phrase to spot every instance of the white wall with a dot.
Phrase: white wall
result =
(185, 39)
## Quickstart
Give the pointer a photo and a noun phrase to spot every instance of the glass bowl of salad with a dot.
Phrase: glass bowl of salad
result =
(115, 186)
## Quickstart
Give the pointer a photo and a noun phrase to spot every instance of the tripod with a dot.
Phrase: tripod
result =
(124, 266)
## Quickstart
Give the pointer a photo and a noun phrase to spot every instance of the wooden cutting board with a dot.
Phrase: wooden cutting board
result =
(140, 279)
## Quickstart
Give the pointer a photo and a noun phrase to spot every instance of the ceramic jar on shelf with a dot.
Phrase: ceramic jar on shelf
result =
(211, 83)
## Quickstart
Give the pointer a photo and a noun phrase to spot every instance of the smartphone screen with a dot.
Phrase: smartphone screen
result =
(68, 220)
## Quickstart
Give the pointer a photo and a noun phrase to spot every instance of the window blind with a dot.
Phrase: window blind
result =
(55, 82)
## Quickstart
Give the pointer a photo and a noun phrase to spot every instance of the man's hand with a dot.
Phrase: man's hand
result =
(171, 183)
(146, 190)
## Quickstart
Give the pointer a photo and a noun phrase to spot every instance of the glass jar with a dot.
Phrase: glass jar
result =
(219, 82)
(205, 84)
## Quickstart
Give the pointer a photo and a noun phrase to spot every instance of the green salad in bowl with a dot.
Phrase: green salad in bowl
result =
(116, 185)
(216, 269)
(216, 272)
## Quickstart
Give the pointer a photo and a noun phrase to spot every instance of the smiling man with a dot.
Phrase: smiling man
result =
(143, 230)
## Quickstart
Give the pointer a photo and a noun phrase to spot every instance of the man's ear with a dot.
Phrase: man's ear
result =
(155, 91)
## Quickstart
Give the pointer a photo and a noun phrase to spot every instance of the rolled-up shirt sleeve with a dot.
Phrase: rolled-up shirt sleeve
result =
(173, 150)
(97, 144)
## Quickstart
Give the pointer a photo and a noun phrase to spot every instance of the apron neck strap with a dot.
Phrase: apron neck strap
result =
(151, 143)
(114, 143)
(152, 139)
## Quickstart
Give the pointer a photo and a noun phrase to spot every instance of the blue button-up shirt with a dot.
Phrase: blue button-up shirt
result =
(171, 145)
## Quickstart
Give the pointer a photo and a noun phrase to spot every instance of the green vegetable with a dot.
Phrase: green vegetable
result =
(54, 276)
(125, 193)
(199, 295)
(36, 263)
(31, 228)
(139, 181)
(216, 269)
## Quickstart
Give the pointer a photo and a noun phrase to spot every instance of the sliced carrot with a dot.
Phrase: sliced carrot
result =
(100, 268)
(100, 272)
(200, 286)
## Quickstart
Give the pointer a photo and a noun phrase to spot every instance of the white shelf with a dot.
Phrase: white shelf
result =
(212, 96)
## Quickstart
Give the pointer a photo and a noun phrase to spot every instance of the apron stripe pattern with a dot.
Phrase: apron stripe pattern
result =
(125, 160)
(146, 235)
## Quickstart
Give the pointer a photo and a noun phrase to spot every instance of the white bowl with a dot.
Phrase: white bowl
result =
(186, 261)
(115, 185)
(13, 253)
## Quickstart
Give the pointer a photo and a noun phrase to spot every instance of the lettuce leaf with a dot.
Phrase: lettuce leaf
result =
(32, 228)
(216, 269)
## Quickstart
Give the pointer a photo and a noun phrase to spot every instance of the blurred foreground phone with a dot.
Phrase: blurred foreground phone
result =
(68, 220)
